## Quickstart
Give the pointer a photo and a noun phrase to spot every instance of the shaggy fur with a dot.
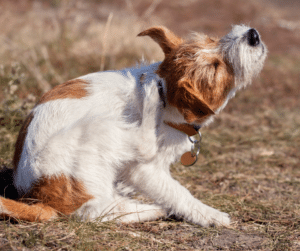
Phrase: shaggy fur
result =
(90, 141)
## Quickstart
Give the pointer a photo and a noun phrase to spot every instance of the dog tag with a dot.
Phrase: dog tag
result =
(188, 159)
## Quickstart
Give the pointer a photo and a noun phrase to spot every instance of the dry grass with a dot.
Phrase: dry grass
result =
(249, 165)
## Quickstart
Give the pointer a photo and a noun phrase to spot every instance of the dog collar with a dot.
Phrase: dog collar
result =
(188, 129)
(189, 158)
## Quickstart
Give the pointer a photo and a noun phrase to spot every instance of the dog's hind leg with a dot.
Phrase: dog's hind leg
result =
(133, 211)
(147, 132)
(121, 209)
(127, 210)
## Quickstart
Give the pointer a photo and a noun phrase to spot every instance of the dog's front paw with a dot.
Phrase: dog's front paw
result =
(207, 216)
(218, 218)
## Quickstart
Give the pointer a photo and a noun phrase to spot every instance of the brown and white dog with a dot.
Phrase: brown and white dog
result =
(89, 140)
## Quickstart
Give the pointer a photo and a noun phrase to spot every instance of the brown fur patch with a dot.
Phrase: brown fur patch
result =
(197, 83)
(74, 89)
(63, 194)
(21, 140)
(22, 211)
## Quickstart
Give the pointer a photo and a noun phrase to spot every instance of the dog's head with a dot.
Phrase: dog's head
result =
(200, 73)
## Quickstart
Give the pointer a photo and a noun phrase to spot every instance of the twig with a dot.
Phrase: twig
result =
(104, 41)
(45, 86)
(67, 236)
(129, 6)
(151, 8)
(45, 53)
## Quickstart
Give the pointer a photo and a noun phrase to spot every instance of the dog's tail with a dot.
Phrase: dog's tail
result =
(47, 199)
(11, 207)
(19, 210)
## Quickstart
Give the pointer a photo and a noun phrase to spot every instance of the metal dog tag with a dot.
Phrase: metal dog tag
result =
(188, 159)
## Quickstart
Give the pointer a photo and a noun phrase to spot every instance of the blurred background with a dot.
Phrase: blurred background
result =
(249, 164)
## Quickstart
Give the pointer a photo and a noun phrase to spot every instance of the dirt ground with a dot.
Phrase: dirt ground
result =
(249, 165)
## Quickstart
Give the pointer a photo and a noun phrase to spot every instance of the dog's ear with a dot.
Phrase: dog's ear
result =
(167, 40)
(189, 103)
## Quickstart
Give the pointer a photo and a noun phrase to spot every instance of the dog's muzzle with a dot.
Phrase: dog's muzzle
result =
(253, 37)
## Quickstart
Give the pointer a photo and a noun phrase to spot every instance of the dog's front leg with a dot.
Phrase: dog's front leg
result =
(170, 195)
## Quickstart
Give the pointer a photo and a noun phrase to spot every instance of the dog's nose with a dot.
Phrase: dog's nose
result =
(253, 37)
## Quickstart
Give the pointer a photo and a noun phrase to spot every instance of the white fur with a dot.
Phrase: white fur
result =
(3, 210)
(115, 137)
(247, 61)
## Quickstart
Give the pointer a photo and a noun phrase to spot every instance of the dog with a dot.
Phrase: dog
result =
(91, 141)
